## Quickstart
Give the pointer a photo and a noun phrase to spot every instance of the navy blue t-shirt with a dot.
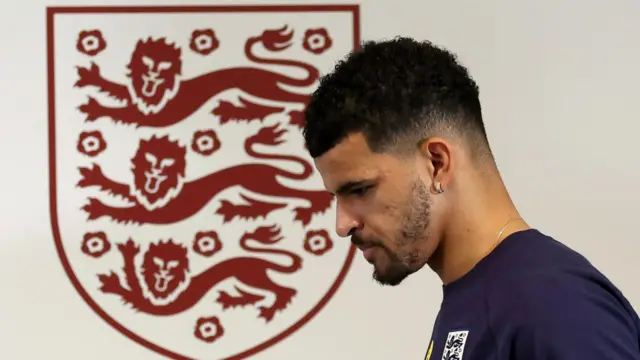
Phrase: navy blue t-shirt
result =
(534, 298)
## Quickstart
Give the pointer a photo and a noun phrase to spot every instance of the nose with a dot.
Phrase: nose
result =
(346, 223)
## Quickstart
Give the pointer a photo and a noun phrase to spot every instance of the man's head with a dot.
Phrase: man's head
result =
(393, 124)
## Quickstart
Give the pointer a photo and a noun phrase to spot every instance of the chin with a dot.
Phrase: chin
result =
(391, 277)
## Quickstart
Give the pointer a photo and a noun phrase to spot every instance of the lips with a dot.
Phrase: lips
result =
(368, 252)
(154, 180)
(150, 85)
(368, 248)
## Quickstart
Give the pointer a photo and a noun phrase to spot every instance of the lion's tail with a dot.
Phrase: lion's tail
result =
(313, 74)
(307, 170)
(296, 261)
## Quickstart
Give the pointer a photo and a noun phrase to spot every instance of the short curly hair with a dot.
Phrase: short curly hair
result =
(396, 93)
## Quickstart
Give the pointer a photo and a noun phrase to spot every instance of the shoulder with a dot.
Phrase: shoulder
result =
(571, 309)
(560, 294)
(542, 280)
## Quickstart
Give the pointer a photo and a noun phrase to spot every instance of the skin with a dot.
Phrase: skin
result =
(387, 202)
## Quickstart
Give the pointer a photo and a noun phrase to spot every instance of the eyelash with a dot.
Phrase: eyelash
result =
(360, 192)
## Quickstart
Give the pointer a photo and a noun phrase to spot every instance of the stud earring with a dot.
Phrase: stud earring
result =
(439, 188)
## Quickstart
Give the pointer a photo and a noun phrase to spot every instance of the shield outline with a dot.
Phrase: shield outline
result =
(354, 9)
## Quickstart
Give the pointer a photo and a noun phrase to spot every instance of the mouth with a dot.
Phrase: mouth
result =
(152, 185)
(150, 85)
(162, 282)
(368, 252)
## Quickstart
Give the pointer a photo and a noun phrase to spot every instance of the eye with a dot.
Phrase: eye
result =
(164, 66)
(159, 263)
(148, 62)
(167, 162)
(151, 159)
(361, 191)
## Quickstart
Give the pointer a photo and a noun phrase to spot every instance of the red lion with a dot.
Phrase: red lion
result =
(157, 96)
(168, 288)
(160, 195)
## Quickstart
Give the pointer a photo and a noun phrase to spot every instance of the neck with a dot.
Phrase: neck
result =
(473, 233)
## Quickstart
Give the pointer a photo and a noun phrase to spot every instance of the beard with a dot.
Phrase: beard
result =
(414, 222)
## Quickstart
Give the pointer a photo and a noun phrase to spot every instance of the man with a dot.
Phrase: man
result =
(397, 134)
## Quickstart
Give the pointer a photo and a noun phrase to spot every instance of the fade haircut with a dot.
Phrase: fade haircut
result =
(396, 93)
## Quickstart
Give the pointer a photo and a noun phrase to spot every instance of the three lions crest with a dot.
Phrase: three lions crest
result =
(186, 203)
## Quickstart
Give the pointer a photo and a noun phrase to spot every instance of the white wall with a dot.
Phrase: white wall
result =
(559, 85)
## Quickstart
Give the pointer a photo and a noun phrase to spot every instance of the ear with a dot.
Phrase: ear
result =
(436, 153)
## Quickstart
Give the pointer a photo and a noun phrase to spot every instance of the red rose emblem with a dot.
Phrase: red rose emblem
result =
(91, 42)
(204, 41)
(318, 242)
(207, 243)
(317, 40)
(95, 244)
(91, 143)
(205, 142)
(209, 329)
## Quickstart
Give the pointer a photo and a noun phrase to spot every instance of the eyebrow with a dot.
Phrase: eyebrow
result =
(349, 186)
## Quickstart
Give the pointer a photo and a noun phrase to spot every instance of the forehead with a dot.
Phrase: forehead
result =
(353, 160)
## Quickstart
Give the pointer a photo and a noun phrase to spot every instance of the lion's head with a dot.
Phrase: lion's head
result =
(165, 268)
(154, 71)
(158, 171)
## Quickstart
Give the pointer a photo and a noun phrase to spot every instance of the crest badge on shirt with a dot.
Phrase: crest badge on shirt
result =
(454, 346)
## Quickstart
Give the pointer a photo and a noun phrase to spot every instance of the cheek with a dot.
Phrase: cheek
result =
(167, 76)
(381, 220)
